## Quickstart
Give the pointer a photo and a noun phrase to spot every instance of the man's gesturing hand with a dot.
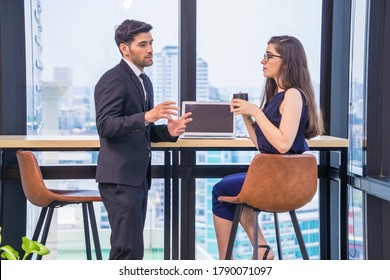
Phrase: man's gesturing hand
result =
(163, 110)
(178, 126)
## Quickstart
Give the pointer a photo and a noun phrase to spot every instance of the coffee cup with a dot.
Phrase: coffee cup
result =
(240, 95)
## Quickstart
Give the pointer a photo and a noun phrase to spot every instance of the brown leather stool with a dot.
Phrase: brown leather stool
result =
(275, 183)
(38, 194)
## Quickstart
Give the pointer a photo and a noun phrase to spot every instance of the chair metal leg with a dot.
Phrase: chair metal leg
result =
(233, 232)
(298, 233)
(95, 234)
(255, 234)
(45, 232)
(277, 232)
(38, 227)
(86, 232)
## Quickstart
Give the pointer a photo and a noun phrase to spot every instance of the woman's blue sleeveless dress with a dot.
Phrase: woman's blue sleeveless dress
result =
(232, 184)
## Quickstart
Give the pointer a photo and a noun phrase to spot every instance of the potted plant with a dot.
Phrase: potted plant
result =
(28, 246)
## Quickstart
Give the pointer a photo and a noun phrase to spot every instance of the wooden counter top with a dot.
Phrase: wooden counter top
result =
(92, 142)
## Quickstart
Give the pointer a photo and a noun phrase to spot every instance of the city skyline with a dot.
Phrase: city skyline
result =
(221, 39)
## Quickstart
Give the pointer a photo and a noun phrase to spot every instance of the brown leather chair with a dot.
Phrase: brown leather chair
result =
(38, 194)
(276, 183)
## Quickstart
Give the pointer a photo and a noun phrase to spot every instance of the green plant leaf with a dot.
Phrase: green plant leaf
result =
(43, 250)
(30, 246)
(9, 253)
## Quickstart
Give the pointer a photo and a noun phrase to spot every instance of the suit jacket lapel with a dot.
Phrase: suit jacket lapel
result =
(136, 81)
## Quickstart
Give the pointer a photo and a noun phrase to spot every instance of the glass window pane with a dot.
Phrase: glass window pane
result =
(357, 91)
(69, 45)
(232, 36)
(355, 224)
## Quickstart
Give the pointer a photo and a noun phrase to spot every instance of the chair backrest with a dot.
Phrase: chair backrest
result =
(280, 183)
(33, 185)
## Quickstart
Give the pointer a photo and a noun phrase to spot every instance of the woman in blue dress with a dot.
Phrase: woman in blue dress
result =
(287, 116)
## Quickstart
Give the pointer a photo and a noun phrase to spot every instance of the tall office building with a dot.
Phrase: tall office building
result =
(165, 76)
(165, 73)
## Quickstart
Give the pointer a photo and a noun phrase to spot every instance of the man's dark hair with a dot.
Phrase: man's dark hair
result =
(128, 29)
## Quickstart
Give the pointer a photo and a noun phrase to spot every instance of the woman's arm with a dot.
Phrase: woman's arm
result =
(283, 137)
(249, 123)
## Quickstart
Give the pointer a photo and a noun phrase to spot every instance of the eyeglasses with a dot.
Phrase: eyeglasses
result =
(268, 56)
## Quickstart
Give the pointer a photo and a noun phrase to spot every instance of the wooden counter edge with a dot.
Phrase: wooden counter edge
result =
(92, 142)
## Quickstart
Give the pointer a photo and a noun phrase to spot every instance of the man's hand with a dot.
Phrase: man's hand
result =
(163, 110)
(178, 126)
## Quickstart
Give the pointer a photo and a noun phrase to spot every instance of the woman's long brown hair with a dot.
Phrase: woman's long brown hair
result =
(294, 73)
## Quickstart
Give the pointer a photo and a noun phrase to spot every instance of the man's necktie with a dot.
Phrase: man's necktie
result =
(147, 88)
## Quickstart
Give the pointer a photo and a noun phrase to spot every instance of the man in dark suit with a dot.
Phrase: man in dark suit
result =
(125, 116)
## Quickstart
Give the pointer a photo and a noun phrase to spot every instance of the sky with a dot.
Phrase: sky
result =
(231, 35)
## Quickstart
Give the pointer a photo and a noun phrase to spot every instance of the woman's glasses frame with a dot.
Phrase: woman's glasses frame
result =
(267, 56)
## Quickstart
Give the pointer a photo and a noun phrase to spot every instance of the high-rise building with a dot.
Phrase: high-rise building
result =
(165, 76)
